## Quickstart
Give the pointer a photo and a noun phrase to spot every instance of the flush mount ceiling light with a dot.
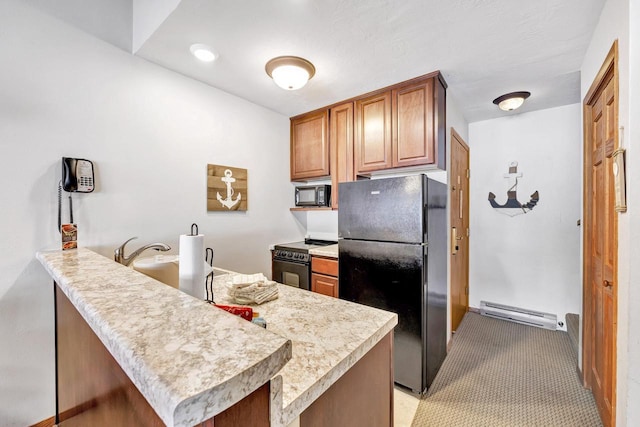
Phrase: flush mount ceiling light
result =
(511, 101)
(203, 52)
(290, 72)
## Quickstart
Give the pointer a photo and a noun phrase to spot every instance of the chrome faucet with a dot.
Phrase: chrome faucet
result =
(120, 257)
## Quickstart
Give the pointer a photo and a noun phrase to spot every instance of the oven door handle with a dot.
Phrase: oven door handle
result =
(288, 261)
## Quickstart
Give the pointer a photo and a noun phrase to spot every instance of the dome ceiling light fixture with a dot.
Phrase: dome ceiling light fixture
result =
(511, 101)
(203, 52)
(290, 72)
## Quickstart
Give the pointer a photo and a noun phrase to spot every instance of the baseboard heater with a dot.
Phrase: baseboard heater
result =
(519, 315)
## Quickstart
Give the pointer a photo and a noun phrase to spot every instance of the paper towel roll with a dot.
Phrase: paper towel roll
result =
(191, 267)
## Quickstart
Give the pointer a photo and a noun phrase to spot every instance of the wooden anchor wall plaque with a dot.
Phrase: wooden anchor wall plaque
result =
(226, 188)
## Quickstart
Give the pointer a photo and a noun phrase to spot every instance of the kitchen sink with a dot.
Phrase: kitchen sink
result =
(165, 268)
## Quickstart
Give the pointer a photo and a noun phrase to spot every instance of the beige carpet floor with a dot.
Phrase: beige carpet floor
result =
(503, 374)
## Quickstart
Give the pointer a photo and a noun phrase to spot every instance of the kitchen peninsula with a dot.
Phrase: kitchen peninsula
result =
(325, 360)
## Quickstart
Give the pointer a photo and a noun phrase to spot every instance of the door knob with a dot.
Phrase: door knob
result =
(607, 284)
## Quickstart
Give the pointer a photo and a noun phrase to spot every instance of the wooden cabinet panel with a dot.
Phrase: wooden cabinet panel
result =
(439, 122)
(324, 265)
(325, 285)
(372, 145)
(413, 130)
(363, 396)
(341, 147)
(324, 276)
(310, 146)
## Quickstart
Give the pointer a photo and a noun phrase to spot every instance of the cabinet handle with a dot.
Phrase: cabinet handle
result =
(607, 284)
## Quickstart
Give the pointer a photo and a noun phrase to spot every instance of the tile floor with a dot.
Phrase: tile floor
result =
(405, 405)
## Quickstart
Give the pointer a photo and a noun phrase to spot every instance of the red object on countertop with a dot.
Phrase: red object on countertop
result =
(239, 310)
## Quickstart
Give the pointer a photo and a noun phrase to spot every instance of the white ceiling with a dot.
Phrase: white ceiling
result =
(484, 48)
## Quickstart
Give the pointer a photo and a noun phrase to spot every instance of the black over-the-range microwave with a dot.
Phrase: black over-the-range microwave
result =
(313, 195)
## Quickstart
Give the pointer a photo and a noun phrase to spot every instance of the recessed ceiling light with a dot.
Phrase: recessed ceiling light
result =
(511, 101)
(203, 52)
(290, 72)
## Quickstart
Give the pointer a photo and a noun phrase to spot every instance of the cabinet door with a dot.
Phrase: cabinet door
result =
(310, 146)
(413, 125)
(325, 285)
(373, 133)
(341, 143)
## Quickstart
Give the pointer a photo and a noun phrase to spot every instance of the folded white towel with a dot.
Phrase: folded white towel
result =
(252, 289)
(247, 279)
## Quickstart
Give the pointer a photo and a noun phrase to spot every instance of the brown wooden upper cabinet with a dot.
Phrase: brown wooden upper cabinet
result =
(341, 143)
(403, 126)
(310, 146)
(373, 133)
(413, 136)
(399, 126)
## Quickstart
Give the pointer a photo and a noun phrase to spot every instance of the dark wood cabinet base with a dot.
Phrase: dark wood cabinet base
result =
(362, 397)
(49, 422)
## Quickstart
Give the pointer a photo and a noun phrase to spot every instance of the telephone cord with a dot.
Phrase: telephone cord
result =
(59, 206)
(70, 209)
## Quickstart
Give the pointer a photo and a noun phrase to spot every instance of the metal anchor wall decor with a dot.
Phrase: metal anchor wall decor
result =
(226, 188)
(512, 206)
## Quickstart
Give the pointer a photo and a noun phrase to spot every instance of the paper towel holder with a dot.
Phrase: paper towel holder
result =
(194, 225)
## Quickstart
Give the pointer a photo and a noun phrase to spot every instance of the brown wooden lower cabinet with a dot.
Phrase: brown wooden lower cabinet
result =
(325, 285)
(93, 390)
(324, 276)
(362, 397)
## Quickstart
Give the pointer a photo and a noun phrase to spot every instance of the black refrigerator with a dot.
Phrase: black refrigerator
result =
(393, 255)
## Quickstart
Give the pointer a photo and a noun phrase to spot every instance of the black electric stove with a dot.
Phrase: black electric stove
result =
(291, 262)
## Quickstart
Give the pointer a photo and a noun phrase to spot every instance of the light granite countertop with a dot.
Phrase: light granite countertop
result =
(329, 336)
(183, 355)
(189, 360)
(330, 251)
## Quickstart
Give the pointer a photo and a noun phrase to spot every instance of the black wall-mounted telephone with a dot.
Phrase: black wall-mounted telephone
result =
(77, 175)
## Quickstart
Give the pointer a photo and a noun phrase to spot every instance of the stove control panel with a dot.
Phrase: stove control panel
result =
(287, 255)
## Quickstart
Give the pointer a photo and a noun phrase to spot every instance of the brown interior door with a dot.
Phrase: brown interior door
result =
(459, 187)
(600, 243)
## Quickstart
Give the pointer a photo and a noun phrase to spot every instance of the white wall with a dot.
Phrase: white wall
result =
(632, 142)
(322, 225)
(614, 24)
(109, 20)
(455, 120)
(151, 133)
(148, 15)
(530, 260)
